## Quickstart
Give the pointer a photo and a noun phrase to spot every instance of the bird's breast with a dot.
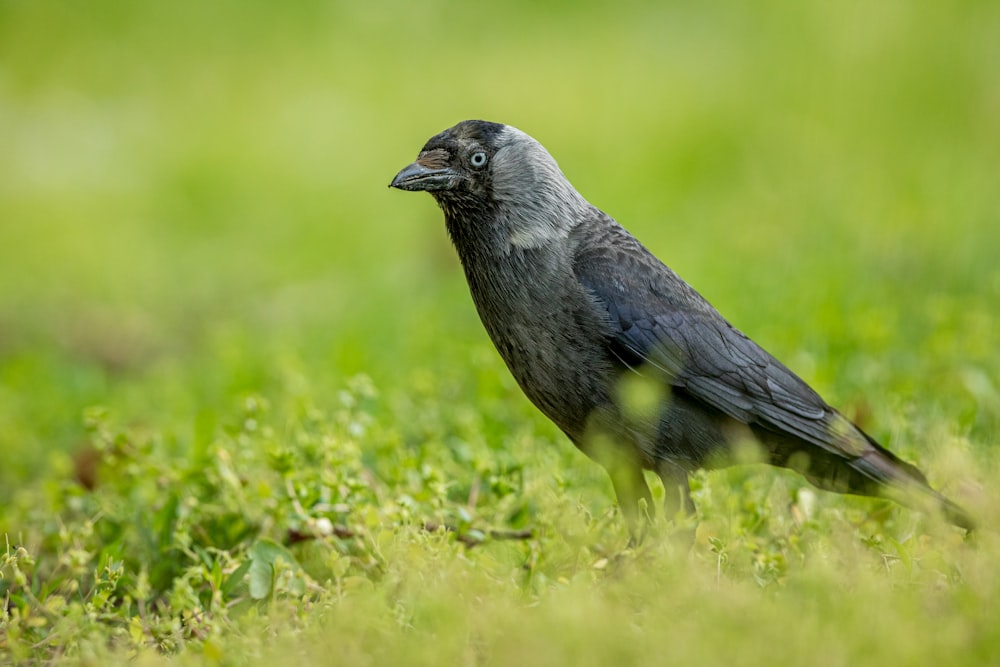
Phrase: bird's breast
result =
(546, 330)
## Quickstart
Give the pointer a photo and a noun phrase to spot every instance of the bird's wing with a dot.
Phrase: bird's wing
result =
(659, 323)
(655, 322)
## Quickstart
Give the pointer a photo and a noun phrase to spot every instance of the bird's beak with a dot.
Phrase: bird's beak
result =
(416, 177)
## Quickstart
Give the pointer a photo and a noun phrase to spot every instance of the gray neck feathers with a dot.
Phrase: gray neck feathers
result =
(531, 193)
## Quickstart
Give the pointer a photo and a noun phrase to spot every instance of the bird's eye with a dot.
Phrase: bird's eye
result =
(478, 159)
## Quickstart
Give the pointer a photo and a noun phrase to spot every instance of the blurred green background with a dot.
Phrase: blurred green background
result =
(193, 202)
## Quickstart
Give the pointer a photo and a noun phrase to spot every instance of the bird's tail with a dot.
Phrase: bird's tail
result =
(861, 466)
(905, 483)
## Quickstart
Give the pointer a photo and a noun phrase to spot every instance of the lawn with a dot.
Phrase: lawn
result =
(248, 414)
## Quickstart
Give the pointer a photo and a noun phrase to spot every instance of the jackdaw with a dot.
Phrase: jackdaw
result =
(635, 366)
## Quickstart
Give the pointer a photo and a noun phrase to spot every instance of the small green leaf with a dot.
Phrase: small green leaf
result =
(264, 554)
(235, 579)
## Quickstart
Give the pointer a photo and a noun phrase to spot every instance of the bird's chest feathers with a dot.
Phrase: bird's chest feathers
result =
(520, 295)
(541, 324)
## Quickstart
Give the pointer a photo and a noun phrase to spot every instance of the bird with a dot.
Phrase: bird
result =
(637, 368)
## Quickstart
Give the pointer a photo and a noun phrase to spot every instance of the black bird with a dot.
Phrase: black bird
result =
(635, 366)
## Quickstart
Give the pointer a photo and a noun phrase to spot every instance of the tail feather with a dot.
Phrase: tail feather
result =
(863, 468)
(905, 483)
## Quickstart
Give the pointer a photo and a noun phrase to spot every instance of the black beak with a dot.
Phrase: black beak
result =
(416, 177)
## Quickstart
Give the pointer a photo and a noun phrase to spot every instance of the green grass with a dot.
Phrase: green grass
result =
(242, 384)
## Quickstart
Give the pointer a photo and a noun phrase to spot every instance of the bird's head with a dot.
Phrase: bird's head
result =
(489, 173)
(455, 162)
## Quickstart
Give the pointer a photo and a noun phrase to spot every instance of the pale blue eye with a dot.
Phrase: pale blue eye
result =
(478, 159)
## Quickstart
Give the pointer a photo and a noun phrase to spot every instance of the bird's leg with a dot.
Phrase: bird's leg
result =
(677, 492)
(634, 498)
(631, 489)
(624, 468)
(677, 504)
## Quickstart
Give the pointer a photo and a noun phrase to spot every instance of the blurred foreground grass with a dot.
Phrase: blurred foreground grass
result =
(239, 379)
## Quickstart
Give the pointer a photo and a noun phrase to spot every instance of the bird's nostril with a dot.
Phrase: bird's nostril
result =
(434, 159)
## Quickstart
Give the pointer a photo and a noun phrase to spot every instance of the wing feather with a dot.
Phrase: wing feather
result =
(675, 331)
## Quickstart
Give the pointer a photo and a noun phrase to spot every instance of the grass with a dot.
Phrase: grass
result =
(247, 412)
